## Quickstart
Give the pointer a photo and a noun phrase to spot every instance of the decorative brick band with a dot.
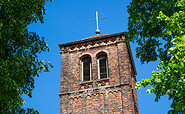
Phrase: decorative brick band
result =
(91, 44)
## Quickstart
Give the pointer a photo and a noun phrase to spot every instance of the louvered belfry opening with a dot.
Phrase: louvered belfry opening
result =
(86, 68)
(102, 66)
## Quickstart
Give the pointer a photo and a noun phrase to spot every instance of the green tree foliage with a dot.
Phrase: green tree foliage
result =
(19, 50)
(158, 26)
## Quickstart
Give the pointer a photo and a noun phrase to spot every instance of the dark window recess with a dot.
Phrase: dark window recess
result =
(103, 66)
(86, 69)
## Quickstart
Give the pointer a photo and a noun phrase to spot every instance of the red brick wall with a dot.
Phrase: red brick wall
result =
(115, 94)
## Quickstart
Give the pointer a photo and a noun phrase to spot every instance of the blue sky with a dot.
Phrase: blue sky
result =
(65, 21)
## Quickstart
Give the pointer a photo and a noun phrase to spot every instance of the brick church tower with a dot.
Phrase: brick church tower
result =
(98, 76)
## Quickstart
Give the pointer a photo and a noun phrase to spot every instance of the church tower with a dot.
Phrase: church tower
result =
(98, 76)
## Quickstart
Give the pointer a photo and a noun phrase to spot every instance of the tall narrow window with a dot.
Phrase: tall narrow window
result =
(86, 69)
(102, 66)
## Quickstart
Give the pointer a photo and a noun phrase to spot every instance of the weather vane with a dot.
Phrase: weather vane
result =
(97, 29)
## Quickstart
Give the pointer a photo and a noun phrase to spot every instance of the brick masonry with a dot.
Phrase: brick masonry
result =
(113, 95)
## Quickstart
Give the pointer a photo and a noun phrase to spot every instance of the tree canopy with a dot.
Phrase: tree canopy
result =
(19, 49)
(159, 29)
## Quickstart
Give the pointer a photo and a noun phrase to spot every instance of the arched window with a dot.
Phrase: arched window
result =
(86, 69)
(102, 66)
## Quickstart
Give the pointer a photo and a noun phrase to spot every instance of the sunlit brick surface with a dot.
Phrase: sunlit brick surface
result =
(113, 95)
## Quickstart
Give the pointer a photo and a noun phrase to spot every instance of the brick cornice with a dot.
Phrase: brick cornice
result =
(92, 39)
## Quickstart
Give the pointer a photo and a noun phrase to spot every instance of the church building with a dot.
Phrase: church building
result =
(98, 76)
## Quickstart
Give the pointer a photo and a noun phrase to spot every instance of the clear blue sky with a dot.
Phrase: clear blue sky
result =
(65, 21)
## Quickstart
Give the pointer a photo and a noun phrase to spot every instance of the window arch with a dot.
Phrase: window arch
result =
(86, 68)
(102, 66)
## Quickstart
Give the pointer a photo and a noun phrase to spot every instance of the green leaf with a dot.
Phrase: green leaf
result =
(148, 91)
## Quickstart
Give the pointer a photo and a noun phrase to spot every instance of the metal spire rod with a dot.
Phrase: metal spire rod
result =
(97, 21)
(97, 29)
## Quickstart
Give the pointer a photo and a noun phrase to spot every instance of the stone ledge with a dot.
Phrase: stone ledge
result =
(93, 89)
(91, 81)
(102, 80)
(86, 82)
